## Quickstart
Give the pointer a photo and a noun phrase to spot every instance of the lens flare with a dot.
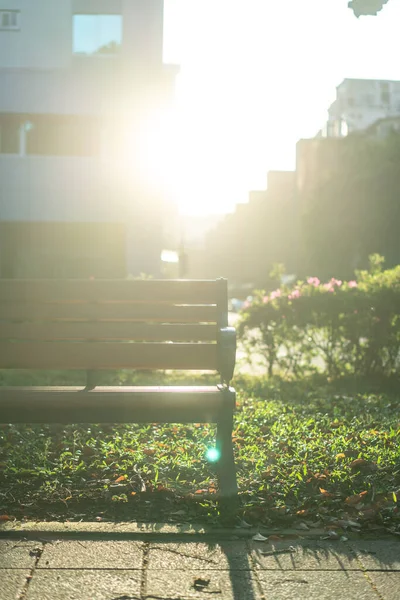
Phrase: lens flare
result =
(213, 455)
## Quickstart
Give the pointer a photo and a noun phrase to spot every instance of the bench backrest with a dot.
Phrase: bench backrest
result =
(82, 324)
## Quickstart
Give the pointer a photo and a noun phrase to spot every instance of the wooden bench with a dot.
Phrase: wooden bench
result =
(140, 324)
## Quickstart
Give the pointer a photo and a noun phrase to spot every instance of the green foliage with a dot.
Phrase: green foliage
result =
(367, 7)
(291, 439)
(351, 208)
(339, 327)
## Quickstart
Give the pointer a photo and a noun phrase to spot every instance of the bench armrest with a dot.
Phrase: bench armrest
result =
(226, 353)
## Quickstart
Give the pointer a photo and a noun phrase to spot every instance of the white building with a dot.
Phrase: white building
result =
(81, 82)
(360, 103)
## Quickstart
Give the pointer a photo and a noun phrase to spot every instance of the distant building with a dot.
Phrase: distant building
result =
(360, 103)
(80, 81)
(246, 244)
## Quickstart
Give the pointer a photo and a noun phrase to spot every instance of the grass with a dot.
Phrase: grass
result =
(312, 452)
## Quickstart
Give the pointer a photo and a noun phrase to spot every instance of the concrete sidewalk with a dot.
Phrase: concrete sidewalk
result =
(39, 564)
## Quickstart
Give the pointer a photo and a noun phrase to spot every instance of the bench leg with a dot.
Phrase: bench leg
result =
(226, 463)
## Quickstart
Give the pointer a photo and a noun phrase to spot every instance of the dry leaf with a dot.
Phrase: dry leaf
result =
(340, 455)
(149, 451)
(325, 493)
(121, 478)
(356, 499)
(5, 518)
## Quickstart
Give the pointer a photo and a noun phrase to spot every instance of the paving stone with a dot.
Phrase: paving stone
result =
(84, 585)
(387, 583)
(175, 556)
(15, 554)
(313, 585)
(378, 555)
(181, 585)
(89, 554)
(307, 555)
(12, 582)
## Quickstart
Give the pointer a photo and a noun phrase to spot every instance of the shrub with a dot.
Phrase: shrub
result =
(340, 327)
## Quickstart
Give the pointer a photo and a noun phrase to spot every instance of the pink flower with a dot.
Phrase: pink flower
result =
(337, 282)
(313, 281)
(294, 294)
(266, 299)
(352, 284)
(275, 294)
(246, 304)
(328, 287)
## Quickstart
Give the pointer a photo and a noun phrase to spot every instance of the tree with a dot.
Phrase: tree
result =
(367, 7)
(353, 209)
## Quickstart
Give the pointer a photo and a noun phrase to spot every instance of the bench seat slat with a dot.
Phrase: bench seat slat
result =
(175, 292)
(107, 355)
(116, 311)
(104, 330)
(180, 404)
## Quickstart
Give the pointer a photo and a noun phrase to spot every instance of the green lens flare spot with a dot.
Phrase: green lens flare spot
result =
(213, 455)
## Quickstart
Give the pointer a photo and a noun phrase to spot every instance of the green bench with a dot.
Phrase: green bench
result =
(139, 325)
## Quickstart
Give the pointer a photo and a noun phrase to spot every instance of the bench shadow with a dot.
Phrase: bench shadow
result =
(208, 556)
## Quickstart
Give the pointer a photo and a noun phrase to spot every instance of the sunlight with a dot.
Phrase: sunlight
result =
(241, 107)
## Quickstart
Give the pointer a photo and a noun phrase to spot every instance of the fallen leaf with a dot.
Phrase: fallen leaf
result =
(199, 584)
(121, 478)
(274, 538)
(133, 493)
(356, 499)
(5, 518)
(340, 455)
(303, 526)
(243, 523)
(259, 538)
(149, 451)
(325, 493)
(332, 535)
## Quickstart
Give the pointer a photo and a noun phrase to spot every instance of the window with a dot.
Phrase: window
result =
(97, 34)
(9, 20)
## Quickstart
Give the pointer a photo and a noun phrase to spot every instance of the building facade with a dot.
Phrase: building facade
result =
(359, 103)
(82, 83)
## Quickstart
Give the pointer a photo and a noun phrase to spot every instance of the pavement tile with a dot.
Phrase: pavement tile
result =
(308, 555)
(181, 585)
(12, 582)
(387, 583)
(192, 555)
(15, 554)
(84, 585)
(378, 555)
(312, 585)
(87, 554)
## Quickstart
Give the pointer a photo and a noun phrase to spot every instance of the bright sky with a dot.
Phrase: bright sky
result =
(256, 76)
